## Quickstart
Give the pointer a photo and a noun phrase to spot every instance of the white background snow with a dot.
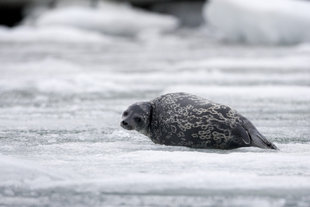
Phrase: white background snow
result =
(260, 22)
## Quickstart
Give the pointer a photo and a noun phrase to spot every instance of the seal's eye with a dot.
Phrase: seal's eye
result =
(125, 113)
(138, 119)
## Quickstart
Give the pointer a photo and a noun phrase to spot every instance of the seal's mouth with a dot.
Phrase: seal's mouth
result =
(125, 125)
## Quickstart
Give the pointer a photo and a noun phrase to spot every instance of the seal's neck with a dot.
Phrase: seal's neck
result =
(147, 130)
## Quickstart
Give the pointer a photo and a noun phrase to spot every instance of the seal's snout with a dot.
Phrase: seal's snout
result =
(126, 125)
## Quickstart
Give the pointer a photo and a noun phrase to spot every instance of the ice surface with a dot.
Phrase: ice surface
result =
(255, 22)
(61, 102)
(107, 19)
(49, 34)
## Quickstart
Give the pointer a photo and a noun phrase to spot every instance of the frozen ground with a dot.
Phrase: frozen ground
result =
(61, 101)
(260, 22)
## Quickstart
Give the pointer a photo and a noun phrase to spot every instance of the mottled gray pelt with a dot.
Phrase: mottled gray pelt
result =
(182, 119)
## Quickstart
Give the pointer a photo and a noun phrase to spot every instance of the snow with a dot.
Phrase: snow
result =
(49, 34)
(107, 19)
(73, 23)
(255, 92)
(60, 114)
(260, 22)
(10, 173)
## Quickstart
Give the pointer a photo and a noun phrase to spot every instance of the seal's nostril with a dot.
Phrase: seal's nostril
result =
(124, 123)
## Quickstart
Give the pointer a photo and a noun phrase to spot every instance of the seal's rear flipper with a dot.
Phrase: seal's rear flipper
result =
(258, 140)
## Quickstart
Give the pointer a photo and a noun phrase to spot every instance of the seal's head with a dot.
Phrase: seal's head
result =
(137, 117)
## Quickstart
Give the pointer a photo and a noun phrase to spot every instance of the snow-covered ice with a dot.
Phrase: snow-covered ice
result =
(49, 34)
(110, 18)
(256, 22)
(60, 105)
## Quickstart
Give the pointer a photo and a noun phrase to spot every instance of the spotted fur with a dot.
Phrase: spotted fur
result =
(182, 119)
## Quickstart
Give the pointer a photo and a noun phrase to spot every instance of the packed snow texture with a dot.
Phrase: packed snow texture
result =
(109, 18)
(260, 22)
(61, 104)
(49, 34)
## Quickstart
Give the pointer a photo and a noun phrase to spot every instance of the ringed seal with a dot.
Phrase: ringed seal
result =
(181, 119)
